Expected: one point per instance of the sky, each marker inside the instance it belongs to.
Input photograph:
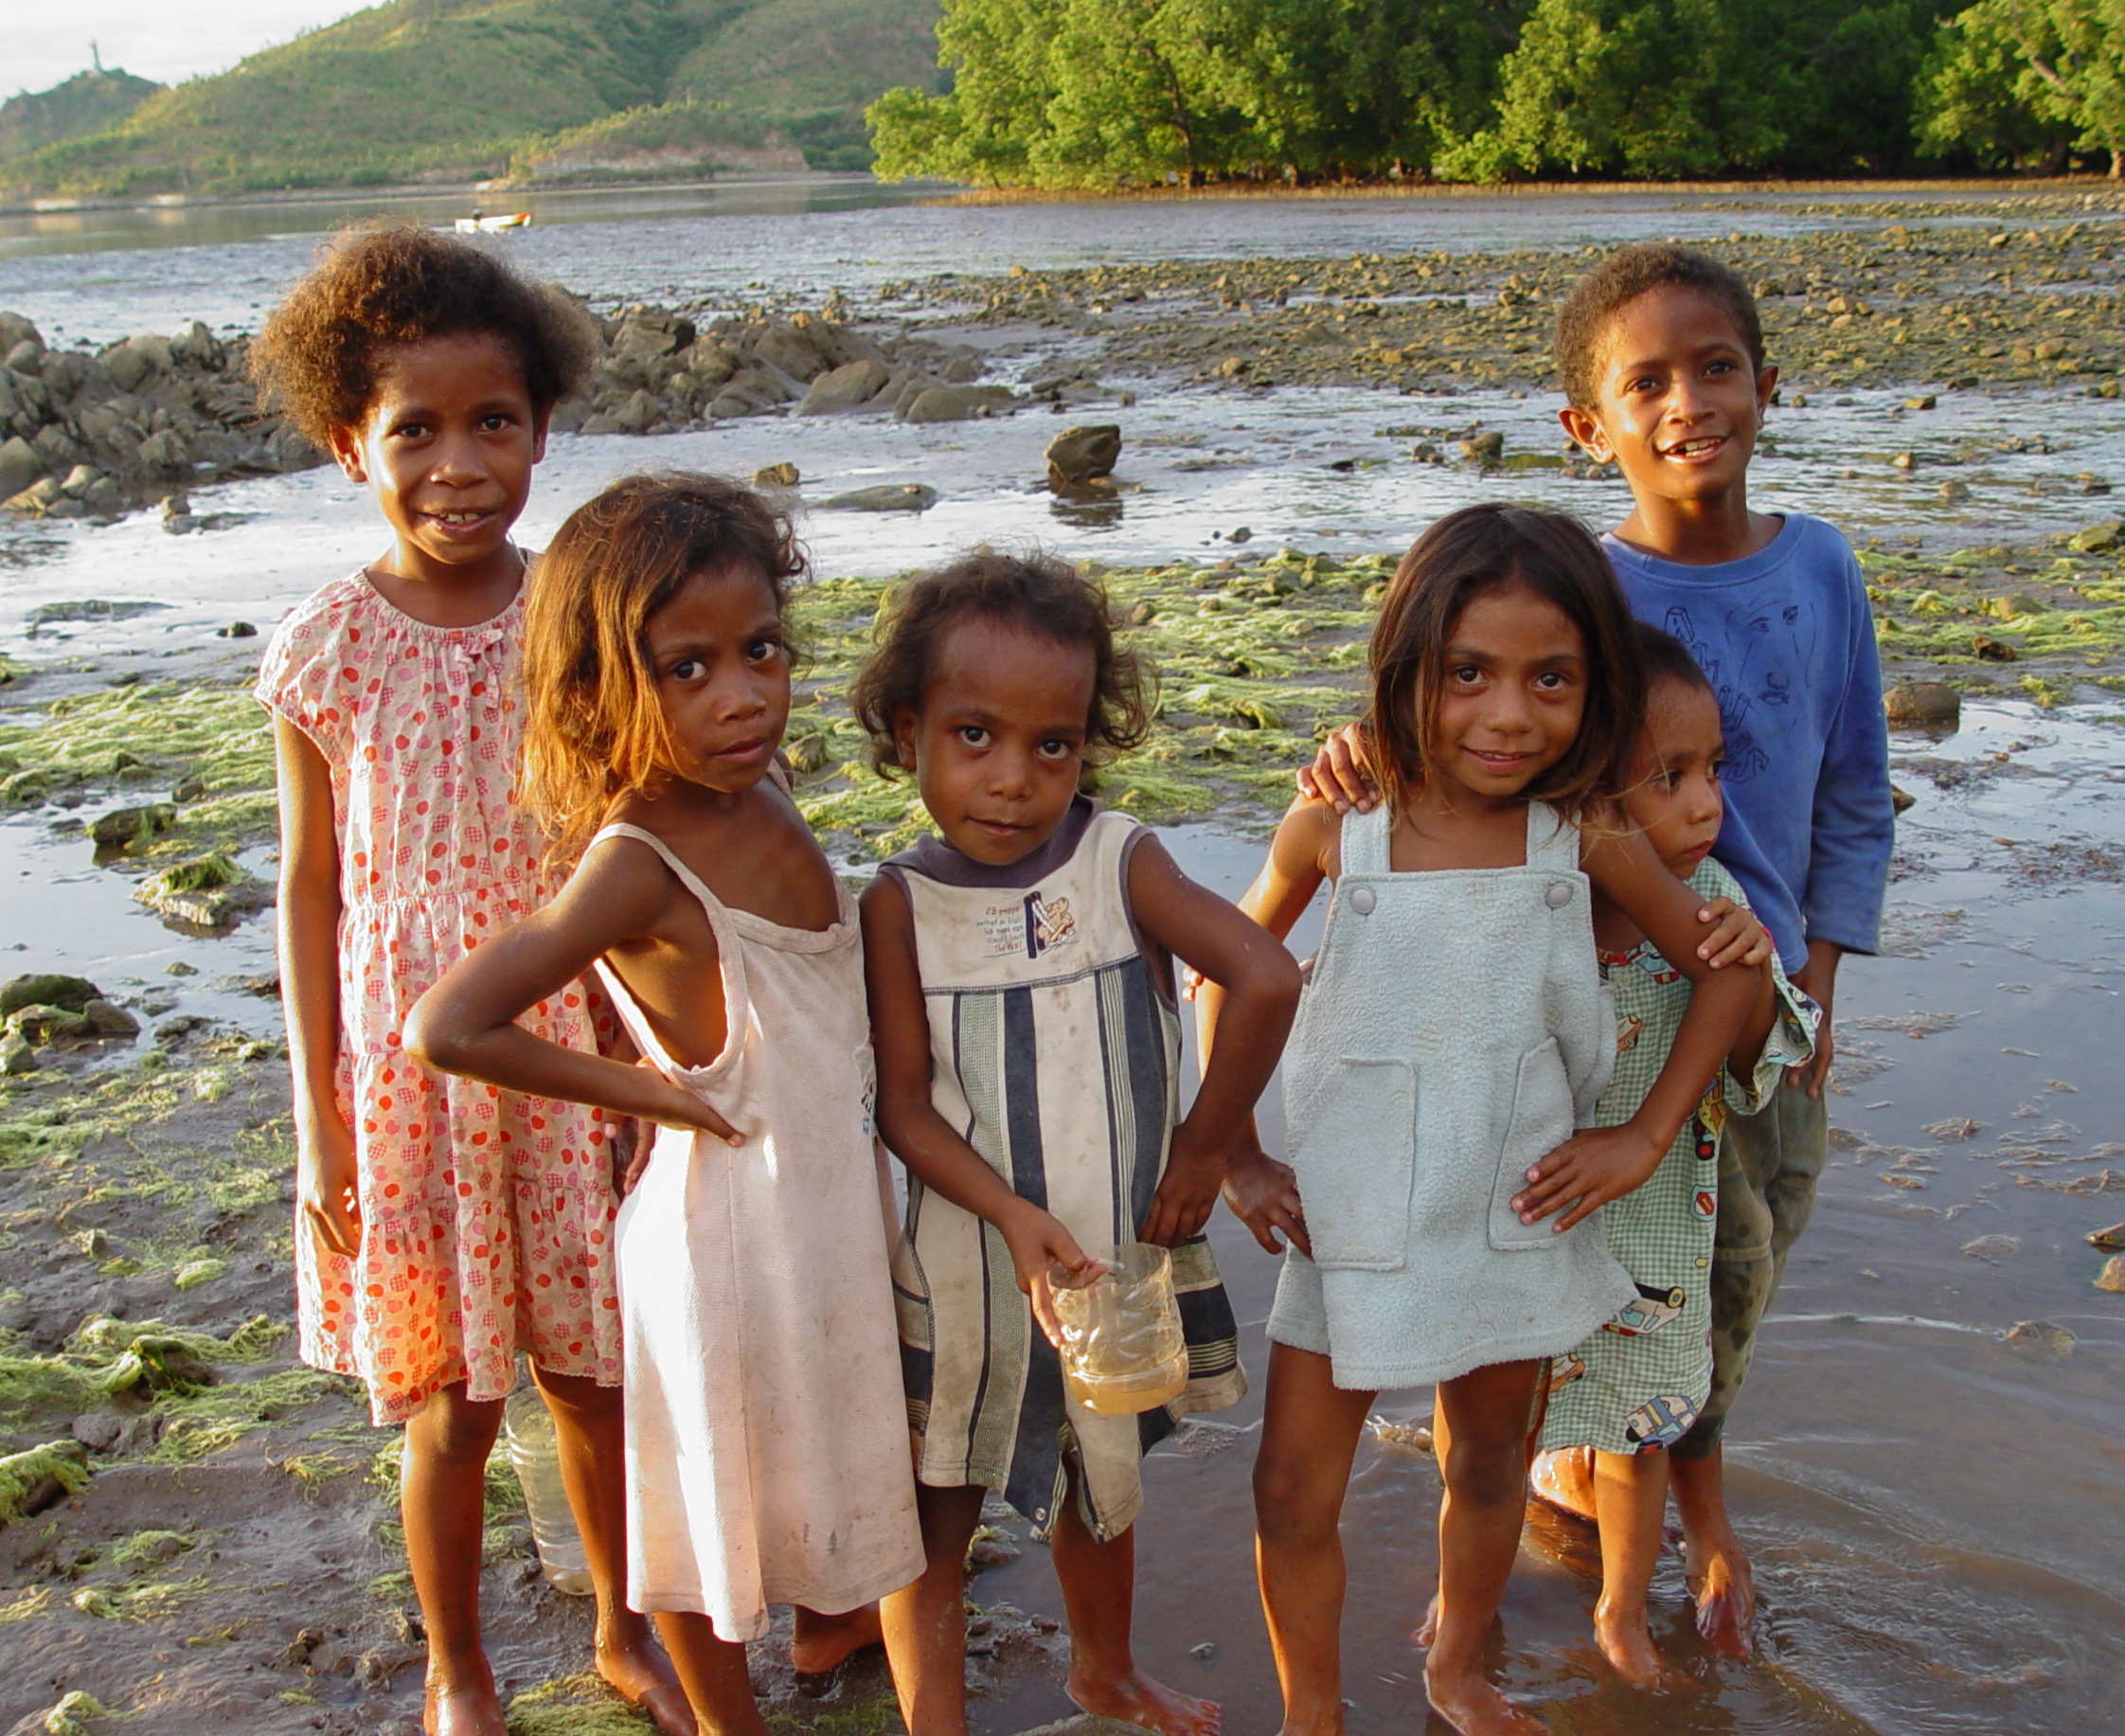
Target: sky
(151, 39)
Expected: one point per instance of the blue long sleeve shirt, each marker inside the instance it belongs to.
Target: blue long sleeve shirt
(1786, 637)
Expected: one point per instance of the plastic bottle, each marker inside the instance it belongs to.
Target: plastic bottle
(535, 1457)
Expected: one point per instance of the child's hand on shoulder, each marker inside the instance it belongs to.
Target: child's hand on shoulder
(1737, 936)
(1594, 1166)
(1046, 1256)
(1341, 774)
(1264, 1195)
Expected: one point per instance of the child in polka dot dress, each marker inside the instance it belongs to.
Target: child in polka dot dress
(444, 1227)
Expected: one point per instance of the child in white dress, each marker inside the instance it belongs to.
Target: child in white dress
(766, 1444)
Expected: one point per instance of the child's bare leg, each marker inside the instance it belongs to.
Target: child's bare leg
(1098, 1595)
(1309, 1437)
(713, 1672)
(925, 1623)
(1629, 1500)
(591, 1434)
(1717, 1567)
(440, 1499)
(1483, 1463)
(818, 1642)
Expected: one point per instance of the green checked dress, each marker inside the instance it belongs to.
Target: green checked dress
(1636, 1384)
(1055, 1046)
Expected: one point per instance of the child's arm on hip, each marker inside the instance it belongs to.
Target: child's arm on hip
(1258, 981)
(1600, 1164)
(923, 1139)
(467, 1022)
(325, 1189)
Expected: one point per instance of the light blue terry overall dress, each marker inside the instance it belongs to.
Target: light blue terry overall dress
(1454, 1029)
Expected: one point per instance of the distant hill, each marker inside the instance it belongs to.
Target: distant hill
(88, 102)
(425, 90)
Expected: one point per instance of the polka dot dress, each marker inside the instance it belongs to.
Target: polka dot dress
(487, 1217)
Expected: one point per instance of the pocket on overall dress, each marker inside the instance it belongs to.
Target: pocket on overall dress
(1353, 1148)
(1541, 1121)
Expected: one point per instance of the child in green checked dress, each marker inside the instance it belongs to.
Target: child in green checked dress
(1635, 1385)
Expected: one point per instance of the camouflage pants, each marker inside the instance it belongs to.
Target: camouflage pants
(1768, 1166)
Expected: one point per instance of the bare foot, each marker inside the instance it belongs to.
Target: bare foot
(1474, 1708)
(1137, 1699)
(1564, 1480)
(468, 1709)
(818, 1642)
(1628, 1646)
(1427, 1629)
(636, 1670)
(1726, 1597)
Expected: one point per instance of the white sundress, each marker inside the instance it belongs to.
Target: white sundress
(767, 1447)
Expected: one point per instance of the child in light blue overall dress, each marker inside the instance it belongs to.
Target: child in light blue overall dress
(1438, 1201)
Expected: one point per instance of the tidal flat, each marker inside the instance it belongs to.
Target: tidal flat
(199, 1533)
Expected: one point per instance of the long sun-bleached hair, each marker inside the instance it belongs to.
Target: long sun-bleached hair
(596, 730)
(1487, 548)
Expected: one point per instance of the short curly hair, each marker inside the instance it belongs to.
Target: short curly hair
(1034, 593)
(1591, 304)
(315, 362)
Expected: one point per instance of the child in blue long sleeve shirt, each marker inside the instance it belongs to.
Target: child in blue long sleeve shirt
(1662, 357)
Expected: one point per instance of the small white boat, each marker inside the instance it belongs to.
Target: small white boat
(476, 225)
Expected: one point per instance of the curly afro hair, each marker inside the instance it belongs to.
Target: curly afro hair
(1584, 315)
(315, 362)
(1037, 595)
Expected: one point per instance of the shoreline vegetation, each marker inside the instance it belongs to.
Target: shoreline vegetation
(1090, 94)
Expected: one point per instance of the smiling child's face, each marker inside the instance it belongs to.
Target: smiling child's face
(722, 670)
(1679, 400)
(1673, 793)
(1510, 697)
(447, 447)
(998, 745)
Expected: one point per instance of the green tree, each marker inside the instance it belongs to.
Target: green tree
(2010, 81)
(1839, 77)
(1631, 87)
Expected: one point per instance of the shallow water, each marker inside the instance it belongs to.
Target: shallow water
(1199, 465)
(106, 274)
(1936, 1513)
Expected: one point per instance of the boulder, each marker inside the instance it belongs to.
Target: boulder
(59, 449)
(193, 346)
(848, 387)
(2098, 538)
(794, 349)
(784, 475)
(24, 358)
(1930, 703)
(41, 1025)
(122, 827)
(711, 361)
(958, 404)
(15, 329)
(131, 363)
(888, 498)
(1487, 448)
(2112, 1278)
(111, 1020)
(168, 455)
(637, 415)
(652, 333)
(47, 988)
(1077, 456)
(19, 467)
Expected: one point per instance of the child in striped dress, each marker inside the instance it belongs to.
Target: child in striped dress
(1021, 979)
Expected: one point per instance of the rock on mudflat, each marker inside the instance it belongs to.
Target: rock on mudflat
(48, 989)
(2113, 1237)
(1923, 701)
(1077, 456)
(886, 497)
(2112, 1277)
(2098, 538)
(2041, 1336)
(784, 475)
